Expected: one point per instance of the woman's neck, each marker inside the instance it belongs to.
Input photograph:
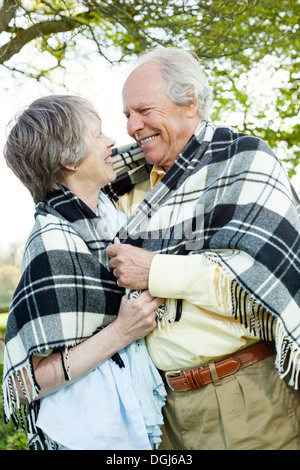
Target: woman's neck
(88, 193)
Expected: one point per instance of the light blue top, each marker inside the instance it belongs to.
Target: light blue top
(111, 408)
(98, 412)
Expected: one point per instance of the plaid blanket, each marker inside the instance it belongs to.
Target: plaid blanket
(64, 296)
(228, 197)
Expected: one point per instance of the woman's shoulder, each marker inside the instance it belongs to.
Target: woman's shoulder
(52, 235)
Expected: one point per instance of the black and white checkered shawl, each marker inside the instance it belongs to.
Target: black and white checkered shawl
(65, 294)
(228, 197)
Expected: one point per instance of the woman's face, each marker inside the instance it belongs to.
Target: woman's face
(97, 168)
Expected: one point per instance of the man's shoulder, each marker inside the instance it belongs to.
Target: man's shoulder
(240, 141)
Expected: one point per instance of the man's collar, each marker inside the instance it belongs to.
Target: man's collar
(157, 173)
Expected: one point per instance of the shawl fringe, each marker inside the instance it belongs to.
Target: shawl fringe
(65, 232)
(284, 347)
(249, 212)
(260, 322)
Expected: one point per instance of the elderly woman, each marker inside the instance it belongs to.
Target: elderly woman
(71, 340)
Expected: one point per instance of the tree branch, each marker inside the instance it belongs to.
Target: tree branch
(23, 36)
(7, 12)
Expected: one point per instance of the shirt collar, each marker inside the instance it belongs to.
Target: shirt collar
(157, 173)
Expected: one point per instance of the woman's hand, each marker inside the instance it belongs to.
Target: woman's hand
(136, 317)
(135, 320)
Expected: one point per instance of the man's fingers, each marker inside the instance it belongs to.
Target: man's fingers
(115, 248)
(112, 250)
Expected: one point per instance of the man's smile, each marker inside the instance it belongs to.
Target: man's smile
(147, 139)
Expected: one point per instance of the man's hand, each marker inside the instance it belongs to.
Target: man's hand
(131, 265)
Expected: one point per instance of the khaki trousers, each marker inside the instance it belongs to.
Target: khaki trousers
(251, 410)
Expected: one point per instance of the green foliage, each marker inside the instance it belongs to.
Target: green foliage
(9, 276)
(15, 440)
(3, 319)
(10, 438)
(231, 37)
(10, 262)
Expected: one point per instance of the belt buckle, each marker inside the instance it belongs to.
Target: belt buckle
(174, 373)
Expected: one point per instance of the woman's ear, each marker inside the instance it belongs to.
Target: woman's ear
(71, 167)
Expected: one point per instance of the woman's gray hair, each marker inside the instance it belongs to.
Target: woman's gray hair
(185, 79)
(49, 134)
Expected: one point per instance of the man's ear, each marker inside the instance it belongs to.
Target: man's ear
(192, 108)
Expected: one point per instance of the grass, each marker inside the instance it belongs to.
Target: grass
(10, 438)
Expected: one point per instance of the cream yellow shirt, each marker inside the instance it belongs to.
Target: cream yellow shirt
(207, 330)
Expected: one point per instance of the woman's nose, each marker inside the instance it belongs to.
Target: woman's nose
(110, 142)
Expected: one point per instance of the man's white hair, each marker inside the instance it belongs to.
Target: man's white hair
(184, 77)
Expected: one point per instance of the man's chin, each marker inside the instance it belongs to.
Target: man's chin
(151, 158)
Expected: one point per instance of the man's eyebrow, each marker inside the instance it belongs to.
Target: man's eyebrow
(138, 107)
(142, 105)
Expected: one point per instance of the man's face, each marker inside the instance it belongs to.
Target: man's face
(160, 127)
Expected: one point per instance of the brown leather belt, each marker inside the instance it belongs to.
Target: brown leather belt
(181, 381)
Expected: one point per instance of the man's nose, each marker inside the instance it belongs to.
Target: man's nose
(134, 123)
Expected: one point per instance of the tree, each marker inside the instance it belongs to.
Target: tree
(12, 254)
(233, 38)
(9, 276)
(10, 264)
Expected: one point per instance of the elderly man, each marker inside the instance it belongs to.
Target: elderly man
(213, 229)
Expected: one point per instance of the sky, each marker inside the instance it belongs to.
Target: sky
(93, 79)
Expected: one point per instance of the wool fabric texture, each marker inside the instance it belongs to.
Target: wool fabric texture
(228, 197)
(65, 294)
